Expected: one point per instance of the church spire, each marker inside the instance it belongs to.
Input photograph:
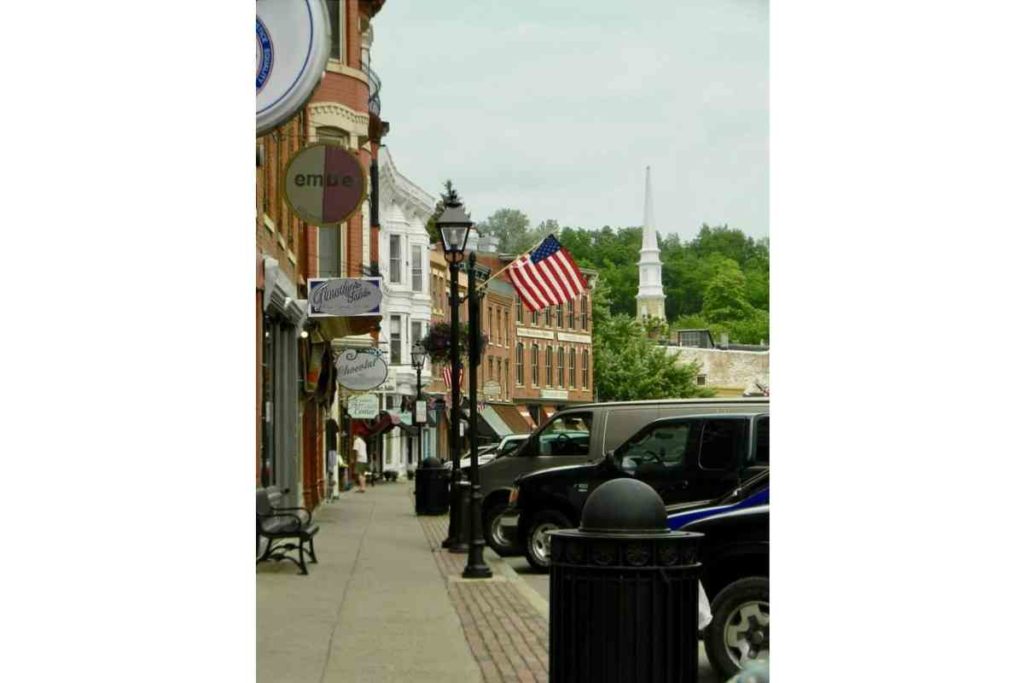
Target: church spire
(650, 299)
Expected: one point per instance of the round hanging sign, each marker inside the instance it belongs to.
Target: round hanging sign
(361, 370)
(324, 184)
(293, 41)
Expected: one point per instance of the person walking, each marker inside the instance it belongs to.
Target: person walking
(362, 462)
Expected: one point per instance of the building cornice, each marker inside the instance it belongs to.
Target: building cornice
(338, 115)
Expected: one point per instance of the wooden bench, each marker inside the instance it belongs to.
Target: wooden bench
(276, 524)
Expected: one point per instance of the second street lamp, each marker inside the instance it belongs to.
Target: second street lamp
(454, 225)
(419, 355)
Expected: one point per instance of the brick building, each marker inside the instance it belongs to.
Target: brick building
(293, 400)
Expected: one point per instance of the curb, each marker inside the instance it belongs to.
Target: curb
(535, 599)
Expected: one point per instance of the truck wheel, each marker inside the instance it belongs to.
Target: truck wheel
(501, 539)
(538, 545)
(738, 632)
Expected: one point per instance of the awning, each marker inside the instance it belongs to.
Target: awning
(524, 413)
(491, 417)
(548, 411)
(511, 416)
(327, 329)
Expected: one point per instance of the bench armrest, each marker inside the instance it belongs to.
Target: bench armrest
(309, 517)
(282, 514)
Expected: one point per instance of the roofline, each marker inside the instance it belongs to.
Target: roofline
(678, 401)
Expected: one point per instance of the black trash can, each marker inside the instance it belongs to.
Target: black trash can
(431, 488)
(623, 592)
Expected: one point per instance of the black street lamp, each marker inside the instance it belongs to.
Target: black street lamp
(454, 225)
(419, 354)
(476, 568)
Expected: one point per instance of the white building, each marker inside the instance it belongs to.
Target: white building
(405, 308)
(650, 297)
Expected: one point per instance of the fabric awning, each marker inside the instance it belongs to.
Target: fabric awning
(524, 413)
(511, 416)
(548, 411)
(491, 417)
(345, 326)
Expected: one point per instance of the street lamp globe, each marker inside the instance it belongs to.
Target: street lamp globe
(454, 225)
(419, 354)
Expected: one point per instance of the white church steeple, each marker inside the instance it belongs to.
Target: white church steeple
(650, 299)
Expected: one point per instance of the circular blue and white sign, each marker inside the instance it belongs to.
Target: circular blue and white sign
(293, 41)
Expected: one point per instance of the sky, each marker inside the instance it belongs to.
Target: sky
(555, 107)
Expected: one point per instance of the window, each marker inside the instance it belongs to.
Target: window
(561, 366)
(547, 316)
(584, 307)
(572, 314)
(417, 332)
(761, 445)
(547, 366)
(535, 359)
(566, 435)
(329, 251)
(535, 317)
(505, 387)
(504, 328)
(722, 444)
(336, 11)
(586, 369)
(490, 368)
(558, 316)
(332, 136)
(656, 447)
(572, 367)
(490, 321)
(396, 340)
(519, 310)
(395, 255)
(417, 268)
(519, 364)
(702, 380)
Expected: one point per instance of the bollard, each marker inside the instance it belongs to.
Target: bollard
(461, 544)
(623, 592)
(431, 488)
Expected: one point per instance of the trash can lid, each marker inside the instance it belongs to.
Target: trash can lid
(431, 463)
(625, 505)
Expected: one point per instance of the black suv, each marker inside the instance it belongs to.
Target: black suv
(685, 459)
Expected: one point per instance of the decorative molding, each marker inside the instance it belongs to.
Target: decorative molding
(336, 67)
(338, 116)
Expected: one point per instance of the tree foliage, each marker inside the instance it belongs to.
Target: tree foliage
(512, 228)
(630, 366)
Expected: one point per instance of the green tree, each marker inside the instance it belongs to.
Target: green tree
(630, 366)
(512, 228)
(725, 297)
(449, 193)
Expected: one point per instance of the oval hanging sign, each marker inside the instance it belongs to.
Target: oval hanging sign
(344, 296)
(324, 184)
(293, 41)
(361, 370)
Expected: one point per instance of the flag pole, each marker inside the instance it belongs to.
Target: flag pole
(509, 264)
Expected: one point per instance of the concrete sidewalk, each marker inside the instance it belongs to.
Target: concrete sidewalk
(375, 608)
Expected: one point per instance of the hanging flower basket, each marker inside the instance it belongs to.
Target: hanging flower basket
(437, 343)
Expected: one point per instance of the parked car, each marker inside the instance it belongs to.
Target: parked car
(734, 573)
(487, 453)
(576, 436)
(690, 461)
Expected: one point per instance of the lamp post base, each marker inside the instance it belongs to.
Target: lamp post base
(477, 571)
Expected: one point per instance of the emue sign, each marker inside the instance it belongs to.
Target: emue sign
(324, 184)
(361, 370)
(344, 296)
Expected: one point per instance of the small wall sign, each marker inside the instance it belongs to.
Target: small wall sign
(361, 369)
(344, 296)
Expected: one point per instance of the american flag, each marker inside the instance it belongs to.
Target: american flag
(547, 276)
(448, 376)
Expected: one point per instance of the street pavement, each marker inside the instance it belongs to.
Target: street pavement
(387, 603)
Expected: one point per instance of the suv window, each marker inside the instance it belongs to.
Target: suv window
(722, 444)
(761, 447)
(662, 444)
(566, 435)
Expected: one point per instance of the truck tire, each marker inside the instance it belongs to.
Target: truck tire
(501, 539)
(738, 631)
(538, 547)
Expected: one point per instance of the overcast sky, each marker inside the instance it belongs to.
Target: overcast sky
(555, 107)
